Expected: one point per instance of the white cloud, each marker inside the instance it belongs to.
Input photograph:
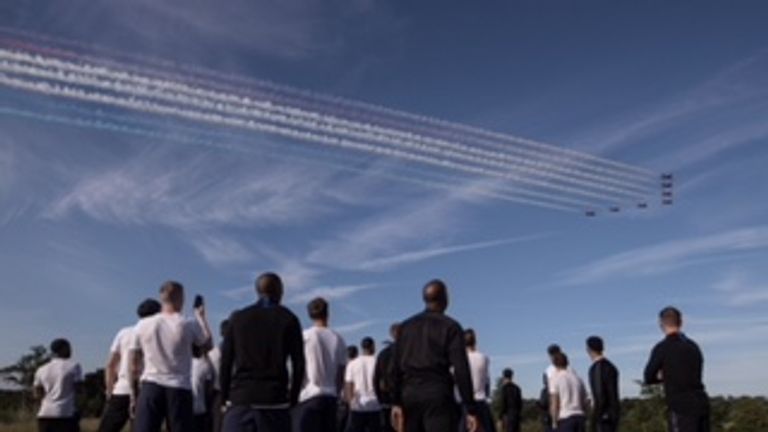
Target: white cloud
(219, 250)
(669, 255)
(740, 290)
(354, 327)
(329, 293)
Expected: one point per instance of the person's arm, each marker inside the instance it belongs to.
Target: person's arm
(341, 354)
(395, 378)
(612, 393)
(110, 372)
(204, 338)
(596, 383)
(554, 408)
(378, 374)
(226, 361)
(654, 367)
(135, 368)
(39, 390)
(518, 401)
(457, 355)
(298, 363)
(505, 393)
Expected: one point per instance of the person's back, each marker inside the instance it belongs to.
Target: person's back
(429, 359)
(56, 382)
(325, 352)
(569, 397)
(166, 340)
(382, 382)
(678, 363)
(511, 403)
(365, 409)
(604, 383)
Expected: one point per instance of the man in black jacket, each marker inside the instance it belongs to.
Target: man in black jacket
(511, 403)
(259, 341)
(381, 383)
(677, 362)
(604, 384)
(429, 346)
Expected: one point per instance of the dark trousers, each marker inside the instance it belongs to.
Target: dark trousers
(386, 419)
(688, 423)
(116, 413)
(157, 403)
(431, 415)
(364, 421)
(247, 419)
(606, 425)
(575, 423)
(317, 414)
(67, 424)
(511, 423)
(484, 417)
(203, 423)
(342, 416)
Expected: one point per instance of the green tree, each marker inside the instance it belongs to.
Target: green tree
(21, 375)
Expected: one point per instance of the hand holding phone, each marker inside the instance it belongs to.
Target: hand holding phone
(199, 302)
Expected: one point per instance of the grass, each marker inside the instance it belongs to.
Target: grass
(87, 425)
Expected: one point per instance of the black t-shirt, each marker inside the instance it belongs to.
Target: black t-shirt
(381, 383)
(511, 400)
(604, 384)
(680, 362)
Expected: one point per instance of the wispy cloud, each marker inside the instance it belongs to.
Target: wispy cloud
(740, 290)
(219, 250)
(410, 257)
(329, 293)
(355, 327)
(668, 255)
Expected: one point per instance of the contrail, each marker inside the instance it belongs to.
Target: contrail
(354, 108)
(237, 105)
(123, 129)
(84, 76)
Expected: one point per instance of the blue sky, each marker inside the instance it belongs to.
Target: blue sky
(93, 221)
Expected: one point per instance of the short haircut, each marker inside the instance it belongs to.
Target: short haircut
(671, 316)
(148, 307)
(439, 293)
(595, 344)
(61, 348)
(553, 349)
(508, 373)
(368, 345)
(352, 352)
(318, 309)
(269, 285)
(470, 338)
(560, 360)
(171, 292)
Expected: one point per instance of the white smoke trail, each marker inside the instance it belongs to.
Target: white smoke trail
(148, 88)
(563, 157)
(355, 129)
(146, 133)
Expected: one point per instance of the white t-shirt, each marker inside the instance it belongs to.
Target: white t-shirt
(325, 353)
(122, 346)
(571, 392)
(550, 372)
(58, 378)
(479, 365)
(215, 357)
(359, 373)
(202, 372)
(166, 341)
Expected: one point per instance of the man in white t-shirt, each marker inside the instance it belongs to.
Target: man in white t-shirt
(359, 391)
(164, 342)
(202, 390)
(117, 374)
(56, 384)
(326, 355)
(479, 367)
(568, 397)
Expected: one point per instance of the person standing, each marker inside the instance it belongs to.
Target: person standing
(56, 385)
(202, 390)
(429, 360)
(215, 357)
(326, 355)
(342, 415)
(254, 379)
(511, 403)
(381, 382)
(569, 401)
(604, 383)
(117, 374)
(479, 367)
(358, 388)
(164, 342)
(678, 363)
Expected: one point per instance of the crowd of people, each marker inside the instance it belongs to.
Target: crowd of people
(269, 375)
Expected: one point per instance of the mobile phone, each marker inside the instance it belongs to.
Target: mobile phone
(198, 301)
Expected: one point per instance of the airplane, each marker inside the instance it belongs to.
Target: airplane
(667, 185)
(642, 205)
(666, 202)
(666, 194)
(590, 213)
(615, 209)
(667, 176)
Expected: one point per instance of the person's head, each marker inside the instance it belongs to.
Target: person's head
(269, 286)
(318, 310)
(507, 374)
(351, 352)
(197, 352)
(470, 339)
(560, 361)
(223, 327)
(553, 349)
(436, 296)
(60, 348)
(595, 346)
(368, 345)
(670, 320)
(148, 307)
(394, 331)
(172, 296)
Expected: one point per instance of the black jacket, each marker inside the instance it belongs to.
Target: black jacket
(429, 346)
(257, 345)
(511, 401)
(680, 362)
(381, 382)
(604, 384)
